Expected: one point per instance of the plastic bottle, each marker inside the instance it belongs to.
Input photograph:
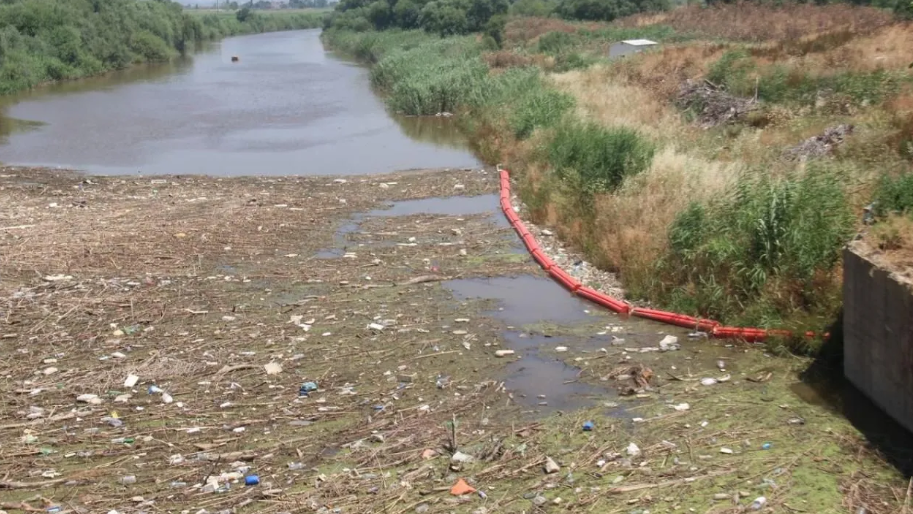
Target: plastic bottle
(251, 480)
(128, 480)
(759, 503)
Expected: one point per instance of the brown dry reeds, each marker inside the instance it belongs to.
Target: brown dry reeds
(520, 31)
(754, 22)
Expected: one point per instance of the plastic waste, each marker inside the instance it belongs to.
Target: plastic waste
(759, 503)
(588, 426)
(307, 388)
(251, 480)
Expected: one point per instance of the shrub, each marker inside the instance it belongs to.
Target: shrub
(607, 10)
(595, 159)
(767, 237)
(894, 195)
(556, 42)
(541, 108)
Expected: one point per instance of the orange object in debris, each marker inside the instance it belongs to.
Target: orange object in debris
(461, 487)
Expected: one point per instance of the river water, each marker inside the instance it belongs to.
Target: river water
(286, 108)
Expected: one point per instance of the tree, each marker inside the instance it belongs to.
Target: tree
(244, 14)
(445, 17)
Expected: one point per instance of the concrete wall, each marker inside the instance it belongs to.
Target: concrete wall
(878, 335)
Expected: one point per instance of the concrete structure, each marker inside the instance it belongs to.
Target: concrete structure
(878, 332)
(630, 46)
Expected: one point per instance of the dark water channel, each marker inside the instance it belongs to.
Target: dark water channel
(287, 108)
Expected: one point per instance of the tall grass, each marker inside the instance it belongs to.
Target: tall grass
(787, 82)
(762, 251)
(894, 195)
(426, 75)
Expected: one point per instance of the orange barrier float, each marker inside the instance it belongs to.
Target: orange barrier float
(564, 279)
(543, 260)
(603, 299)
(705, 325)
(679, 320)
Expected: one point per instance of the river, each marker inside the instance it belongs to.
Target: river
(288, 107)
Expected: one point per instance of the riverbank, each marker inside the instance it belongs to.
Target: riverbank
(163, 328)
(728, 196)
(59, 40)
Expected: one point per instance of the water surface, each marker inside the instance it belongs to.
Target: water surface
(288, 107)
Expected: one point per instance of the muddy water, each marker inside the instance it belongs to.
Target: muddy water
(288, 107)
(447, 206)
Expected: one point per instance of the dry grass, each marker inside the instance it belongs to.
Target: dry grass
(747, 21)
(520, 31)
(603, 98)
(663, 71)
(633, 222)
(507, 59)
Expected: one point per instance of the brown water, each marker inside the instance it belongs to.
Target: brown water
(288, 107)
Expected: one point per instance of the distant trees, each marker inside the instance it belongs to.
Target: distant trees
(443, 17)
(607, 10)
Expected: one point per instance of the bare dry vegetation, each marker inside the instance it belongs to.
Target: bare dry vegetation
(799, 71)
(523, 30)
(755, 22)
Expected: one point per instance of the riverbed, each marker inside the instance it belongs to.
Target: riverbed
(287, 107)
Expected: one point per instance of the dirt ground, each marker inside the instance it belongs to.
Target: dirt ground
(156, 334)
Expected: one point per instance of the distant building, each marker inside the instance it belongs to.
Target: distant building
(629, 47)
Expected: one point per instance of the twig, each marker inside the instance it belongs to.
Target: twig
(10, 484)
(667, 483)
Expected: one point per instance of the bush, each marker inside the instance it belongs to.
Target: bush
(533, 8)
(770, 241)
(556, 42)
(607, 10)
(894, 195)
(596, 159)
(542, 108)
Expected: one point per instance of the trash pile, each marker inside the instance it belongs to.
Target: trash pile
(822, 144)
(712, 104)
(171, 346)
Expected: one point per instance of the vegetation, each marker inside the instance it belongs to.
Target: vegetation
(442, 17)
(607, 10)
(721, 222)
(894, 195)
(48, 40)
